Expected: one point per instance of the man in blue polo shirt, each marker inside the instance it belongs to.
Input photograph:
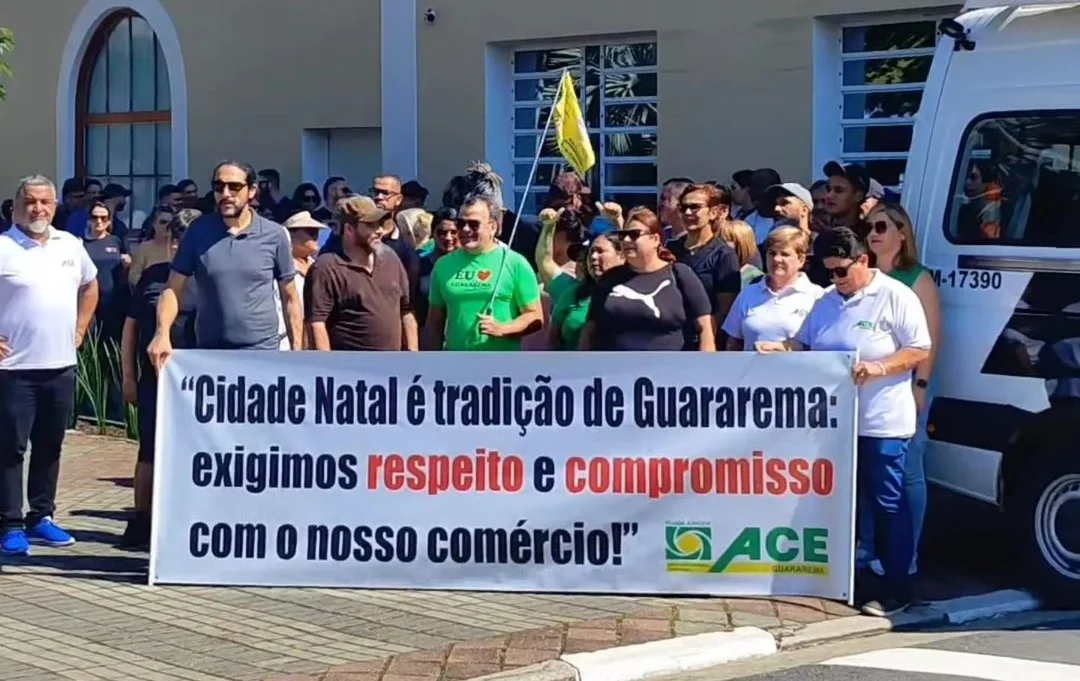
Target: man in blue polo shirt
(236, 258)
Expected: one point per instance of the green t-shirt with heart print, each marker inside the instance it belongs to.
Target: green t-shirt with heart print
(462, 283)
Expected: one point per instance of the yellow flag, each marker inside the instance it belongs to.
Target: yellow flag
(570, 132)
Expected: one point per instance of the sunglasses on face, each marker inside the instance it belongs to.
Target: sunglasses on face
(234, 187)
(472, 225)
(375, 191)
(691, 207)
(99, 218)
(880, 227)
(630, 234)
(840, 272)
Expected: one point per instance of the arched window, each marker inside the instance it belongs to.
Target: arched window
(123, 121)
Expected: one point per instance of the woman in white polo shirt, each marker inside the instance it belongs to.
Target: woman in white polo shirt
(882, 319)
(774, 308)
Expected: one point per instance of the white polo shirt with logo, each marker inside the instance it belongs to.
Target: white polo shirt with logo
(39, 293)
(761, 314)
(877, 321)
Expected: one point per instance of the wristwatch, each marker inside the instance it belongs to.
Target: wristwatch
(922, 383)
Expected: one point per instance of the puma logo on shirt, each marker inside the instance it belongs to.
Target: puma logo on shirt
(623, 291)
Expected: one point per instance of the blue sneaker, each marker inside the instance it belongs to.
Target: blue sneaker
(48, 532)
(15, 543)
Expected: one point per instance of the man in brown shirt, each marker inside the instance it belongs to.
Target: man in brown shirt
(356, 297)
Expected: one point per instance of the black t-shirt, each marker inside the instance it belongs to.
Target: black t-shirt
(648, 311)
(143, 309)
(106, 254)
(525, 238)
(815, 265)
(716, 264)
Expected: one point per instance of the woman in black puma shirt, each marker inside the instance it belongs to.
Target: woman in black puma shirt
(651, 302)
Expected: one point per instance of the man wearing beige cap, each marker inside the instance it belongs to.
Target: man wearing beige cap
(357, 297)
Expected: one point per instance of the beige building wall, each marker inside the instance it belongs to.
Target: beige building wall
(257, 74)
(736, 77)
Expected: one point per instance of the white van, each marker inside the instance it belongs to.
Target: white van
(993, 184)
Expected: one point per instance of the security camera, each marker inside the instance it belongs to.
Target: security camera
(429, 16)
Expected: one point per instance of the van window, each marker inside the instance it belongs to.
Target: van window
(1017, 181)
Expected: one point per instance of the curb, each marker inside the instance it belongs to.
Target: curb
(954, 611)
(702, 651)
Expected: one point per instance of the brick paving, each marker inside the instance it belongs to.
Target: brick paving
(84, 613)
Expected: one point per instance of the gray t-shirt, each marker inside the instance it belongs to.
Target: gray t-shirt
(235, 277)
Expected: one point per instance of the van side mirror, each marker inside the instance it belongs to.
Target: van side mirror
(955, 30)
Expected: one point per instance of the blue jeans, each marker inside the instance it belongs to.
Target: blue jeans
(915, 485)
(884, 508)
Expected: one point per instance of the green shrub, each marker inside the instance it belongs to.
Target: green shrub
(97, 383)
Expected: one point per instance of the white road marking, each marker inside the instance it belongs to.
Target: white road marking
(969, 665)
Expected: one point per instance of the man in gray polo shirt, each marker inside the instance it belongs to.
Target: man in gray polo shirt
(236, 258)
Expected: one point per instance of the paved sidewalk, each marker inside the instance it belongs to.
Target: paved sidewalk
(85, 613)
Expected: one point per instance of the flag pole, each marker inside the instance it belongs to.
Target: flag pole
(536, 158)
(528, 186)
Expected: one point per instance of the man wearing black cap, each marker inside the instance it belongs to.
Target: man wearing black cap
(761, 222)
(848, 188)
(73, 198)
(413, 195)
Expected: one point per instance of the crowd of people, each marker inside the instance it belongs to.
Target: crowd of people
(757, 264)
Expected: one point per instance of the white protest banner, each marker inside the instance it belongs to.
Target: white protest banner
(682, 473)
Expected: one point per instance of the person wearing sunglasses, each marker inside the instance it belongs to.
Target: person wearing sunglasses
(110, 257)
(703, 209)
(237, 259)
(651, 302)
(139, 380)
(484, 296)
(892, 241)
(158, 245)
(868, 312)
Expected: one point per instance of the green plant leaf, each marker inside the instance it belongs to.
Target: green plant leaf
(7, 44)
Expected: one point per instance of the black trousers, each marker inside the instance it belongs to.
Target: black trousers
(36, 406)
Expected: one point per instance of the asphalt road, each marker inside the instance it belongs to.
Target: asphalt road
(1029, 647)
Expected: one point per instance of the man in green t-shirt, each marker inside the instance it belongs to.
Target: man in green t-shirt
(466, 312)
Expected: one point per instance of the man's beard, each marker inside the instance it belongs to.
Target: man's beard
(38, 226)
(229, 209)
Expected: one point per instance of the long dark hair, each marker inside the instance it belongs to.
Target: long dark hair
(588, 286)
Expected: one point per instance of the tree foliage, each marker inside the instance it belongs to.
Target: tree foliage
(7, 44)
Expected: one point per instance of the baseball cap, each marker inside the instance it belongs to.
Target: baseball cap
(789, 189)
(115, 191)
(360, 209)
(742, 177)
(852, 172)
(73, 185)
(414, 190)
(601, 225)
